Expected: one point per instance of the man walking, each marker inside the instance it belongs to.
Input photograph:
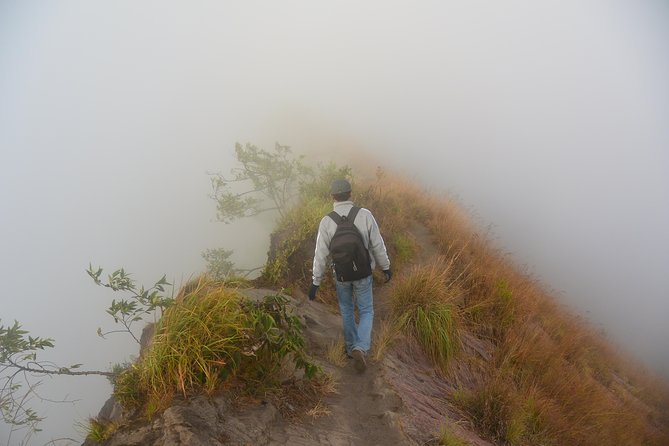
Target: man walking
(351, 236)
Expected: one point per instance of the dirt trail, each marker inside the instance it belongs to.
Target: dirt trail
(367, 410)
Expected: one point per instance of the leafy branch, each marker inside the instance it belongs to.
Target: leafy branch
(19, 365)
(142, 301)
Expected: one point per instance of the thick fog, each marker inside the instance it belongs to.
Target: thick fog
(548, 120)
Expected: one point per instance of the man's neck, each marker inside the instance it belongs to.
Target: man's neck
(342, 203)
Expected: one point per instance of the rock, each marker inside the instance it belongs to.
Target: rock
(146, 338)
(111, 411)
(201, 421)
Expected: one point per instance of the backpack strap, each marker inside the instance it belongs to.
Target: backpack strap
(353, 213)
(338, 218)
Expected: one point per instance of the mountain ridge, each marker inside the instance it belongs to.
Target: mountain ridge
(514, 368)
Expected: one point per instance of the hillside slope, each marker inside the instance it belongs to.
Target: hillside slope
(467, 350)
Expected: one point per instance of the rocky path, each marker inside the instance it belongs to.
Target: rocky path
(364, 411)
(367, 410)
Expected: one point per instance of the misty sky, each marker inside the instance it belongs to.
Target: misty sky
(548, 120)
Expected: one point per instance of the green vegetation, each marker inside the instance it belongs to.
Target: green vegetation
(210, 337)
(423, 307)
(19, 364)
(219, 265)
(293, 241)
(404, 248)
(195, 341)
(99, 430)
(265, 181)
(142, 302)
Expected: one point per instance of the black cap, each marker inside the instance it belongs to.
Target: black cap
(340, 186)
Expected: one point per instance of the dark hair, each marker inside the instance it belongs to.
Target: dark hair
(344, 196)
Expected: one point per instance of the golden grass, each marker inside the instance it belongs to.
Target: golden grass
(448, 437)
(319, 410)
(327, 383)
(552, 379)
(384, 336)
(99, 430)
(197, 343)
(423, 306)
(336, 352)
(212, 336)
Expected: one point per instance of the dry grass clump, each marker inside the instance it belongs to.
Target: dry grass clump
(319, 410)
(384, 336)
(336, 352)
(98, 429)
(423, 307)
(504, 413)
(301, 397)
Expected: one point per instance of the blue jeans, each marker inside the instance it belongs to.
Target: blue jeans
(357, 336)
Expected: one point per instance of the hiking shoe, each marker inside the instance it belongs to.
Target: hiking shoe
(359, 358)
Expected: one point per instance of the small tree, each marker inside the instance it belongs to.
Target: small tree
(266, 181)
(219, 265)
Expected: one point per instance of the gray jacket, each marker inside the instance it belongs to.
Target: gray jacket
(371, 236)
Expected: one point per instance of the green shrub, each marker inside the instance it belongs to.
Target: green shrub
(209, 336)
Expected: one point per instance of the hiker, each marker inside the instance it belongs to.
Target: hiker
(350, 235)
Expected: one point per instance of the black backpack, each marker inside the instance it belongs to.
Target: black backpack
(347, 248)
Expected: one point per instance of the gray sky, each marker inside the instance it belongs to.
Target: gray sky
(547, 119)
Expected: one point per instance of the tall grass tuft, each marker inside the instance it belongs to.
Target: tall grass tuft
(336, 352)
(423, 306)
(384, 336)
(197, 344)
(212, 334)
(424, 285)
(98, 430)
